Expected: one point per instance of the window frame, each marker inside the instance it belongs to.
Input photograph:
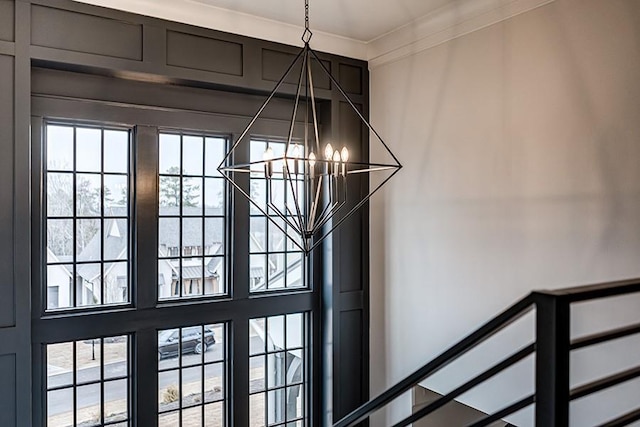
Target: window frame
(146, 314)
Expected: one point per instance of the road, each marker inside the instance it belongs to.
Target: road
(58, 403)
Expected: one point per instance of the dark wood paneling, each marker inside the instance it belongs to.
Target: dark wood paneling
(350, 375)
(204, 53)
(7, 289)
(8, 390)
(79, 32)
(275, 63)
(6, 20)
(350, 78)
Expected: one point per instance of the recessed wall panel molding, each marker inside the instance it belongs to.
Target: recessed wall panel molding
(275, 63)
(7, 20)
(351, 78)
(8, 390)
(204, 53)
(7, 308)
(79, 32)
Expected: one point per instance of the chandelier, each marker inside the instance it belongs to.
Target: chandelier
(313, 175)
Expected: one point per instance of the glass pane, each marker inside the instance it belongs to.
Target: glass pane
(60, 240)
(276, 369)
(88, 150)
(257, 330)
(192, 284)
(116, 282)
(214, 196)
(88, 407)
(216, 336)
(169, 154)
(275, 328)
(258, 196)
(192, 196)
(116, 195)
(59, 286)
(192, 346)
(191, 236)
(168, 237)
(169, 395)
(275, 196)
(215, 152)
(88, 198)
(88, 360)
(116, 151)
(191, 386)
(59, 364)
(115, 357)
(214, 281)
(214, 415)
(295, 270)
(256, 410)
(115, 239)
(214, 382)
(295, 403)
(88, 239)
(214, 237)
(168, 278)
(88, 284)
(295, 369)
(115, 401)
(59, 147)
(169, 420)
(276, 236)
(60, 408)
(256, 374)
(276, 405)
(192, 155)
(192, 417)
(294, 330)
(257, 272)
(277, 277)
(257, 234)
(169, 195)
(59, 194)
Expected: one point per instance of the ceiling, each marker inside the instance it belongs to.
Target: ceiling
(362, 20)
(378, 31)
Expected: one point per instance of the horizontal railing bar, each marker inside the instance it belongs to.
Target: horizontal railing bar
(604, 383)
(440, 402)
(601, 290)
(515, 407)
(623, 420)
(483, 333)
(605, 336)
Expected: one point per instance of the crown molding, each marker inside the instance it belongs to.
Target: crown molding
(447, 23)
(230, 21)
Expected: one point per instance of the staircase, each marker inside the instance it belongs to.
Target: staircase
(552, 347)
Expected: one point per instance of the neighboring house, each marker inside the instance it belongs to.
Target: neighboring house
(59, 283)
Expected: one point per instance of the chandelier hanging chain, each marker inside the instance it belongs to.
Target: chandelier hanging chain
(306, 36)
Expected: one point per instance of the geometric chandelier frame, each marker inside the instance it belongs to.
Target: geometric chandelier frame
(307, 183)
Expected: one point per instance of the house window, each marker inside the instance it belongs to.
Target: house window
(87, 205)
(192, 216)
(192, 376)
(276, 259)
(277, 378)
(88, 382)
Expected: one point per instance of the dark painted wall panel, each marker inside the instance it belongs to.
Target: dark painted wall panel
(6, 20)
(275, 63)
(8, 390)
(80, 32)
(7, 309)
(350, 380)
(204, 53)
(350, 78)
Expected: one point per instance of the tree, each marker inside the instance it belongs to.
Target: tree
(170, 190)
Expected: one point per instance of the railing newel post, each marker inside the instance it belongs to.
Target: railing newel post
(553, 340)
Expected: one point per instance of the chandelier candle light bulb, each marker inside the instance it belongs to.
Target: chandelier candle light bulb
(336, 161)
(344, 156)
(267, 156)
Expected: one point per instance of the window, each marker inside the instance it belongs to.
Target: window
(192, 376)
(88, 382)
(277, 370)
(87, 226)
(276, 260)
(191, 236)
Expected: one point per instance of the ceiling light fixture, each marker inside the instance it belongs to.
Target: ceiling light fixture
(307, 195)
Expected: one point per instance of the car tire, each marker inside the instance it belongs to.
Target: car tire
(198, 348)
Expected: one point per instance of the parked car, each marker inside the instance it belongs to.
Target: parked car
(192, 342)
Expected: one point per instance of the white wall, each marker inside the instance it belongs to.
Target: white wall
(521, 147)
